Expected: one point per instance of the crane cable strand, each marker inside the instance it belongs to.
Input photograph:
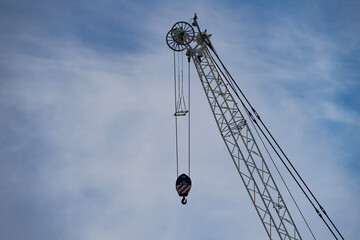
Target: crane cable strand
(189, 114)
(258, 117)
(181, 82)
(321, 208)
(176, 125)
(179, 99)
(250, 115)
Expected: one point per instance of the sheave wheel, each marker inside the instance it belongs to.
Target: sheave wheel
(180, 35)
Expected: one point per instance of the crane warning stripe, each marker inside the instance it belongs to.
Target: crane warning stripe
(183, 188)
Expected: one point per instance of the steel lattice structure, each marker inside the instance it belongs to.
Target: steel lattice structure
(239, 140)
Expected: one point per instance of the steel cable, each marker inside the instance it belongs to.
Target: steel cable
(263, 133)
(276, 143)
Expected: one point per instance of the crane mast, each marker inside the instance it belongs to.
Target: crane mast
(236, 133)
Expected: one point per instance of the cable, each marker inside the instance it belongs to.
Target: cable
(180, 105)
(282, 179)
(321, 208)
(176, 132)
(189, 113)
(257, 115)
(181, 82)
(254, 120)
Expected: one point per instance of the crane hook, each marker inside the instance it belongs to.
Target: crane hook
(184, 200)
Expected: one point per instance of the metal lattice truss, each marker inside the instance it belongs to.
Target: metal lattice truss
(244, 151)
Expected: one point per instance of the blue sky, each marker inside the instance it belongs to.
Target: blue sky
(86, 116)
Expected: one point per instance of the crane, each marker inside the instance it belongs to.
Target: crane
(222, 96)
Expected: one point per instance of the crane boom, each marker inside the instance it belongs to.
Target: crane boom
(245, 152)
(236, 133)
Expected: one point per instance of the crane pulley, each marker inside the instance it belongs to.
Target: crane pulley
(223, 95)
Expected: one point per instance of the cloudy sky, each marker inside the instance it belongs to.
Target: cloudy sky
(87, 147)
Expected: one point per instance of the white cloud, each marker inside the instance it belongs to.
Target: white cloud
(107, 163)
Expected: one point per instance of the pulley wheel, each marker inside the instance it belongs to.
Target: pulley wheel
(180, 35)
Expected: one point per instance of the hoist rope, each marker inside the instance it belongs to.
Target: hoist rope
(268, 140)
(176, 132)
(180, 105)
(189, 114)
(181, 82)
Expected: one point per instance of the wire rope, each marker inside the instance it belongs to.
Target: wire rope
(176, 131)
(282, 179)
(181, 108)
(258, 117)
(189, 136)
